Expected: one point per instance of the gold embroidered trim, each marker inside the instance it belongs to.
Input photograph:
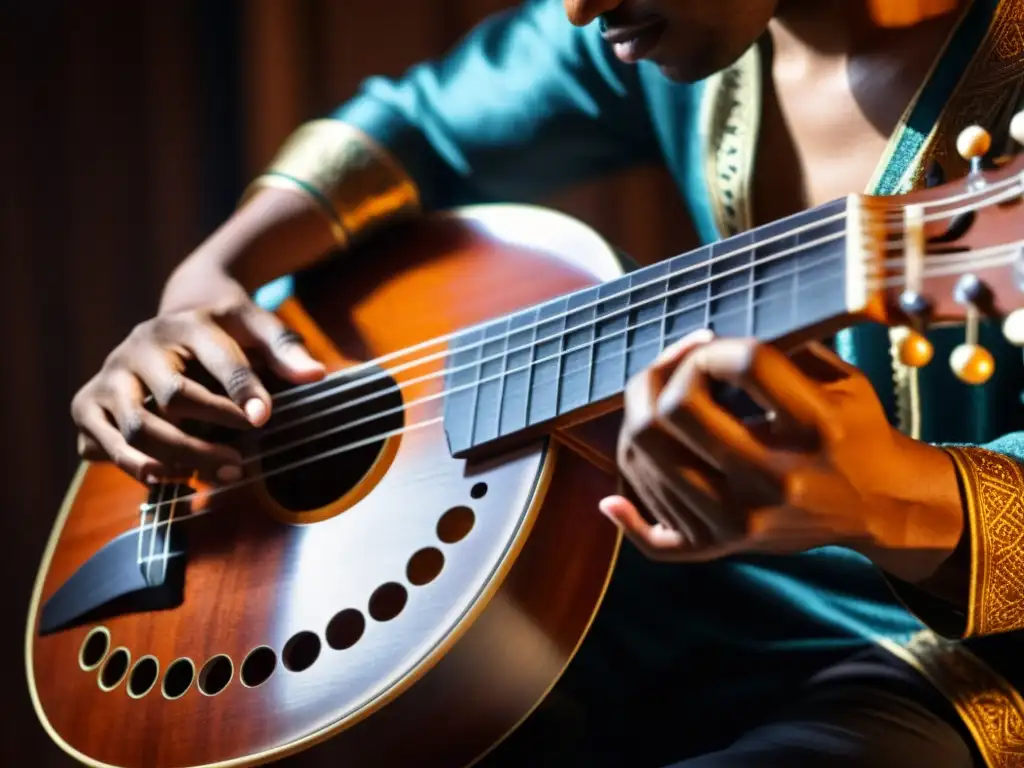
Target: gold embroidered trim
(995, 511)
(990, 708)
(357, 183)
(729, 123)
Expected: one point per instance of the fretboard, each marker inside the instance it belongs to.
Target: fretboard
(532, 369)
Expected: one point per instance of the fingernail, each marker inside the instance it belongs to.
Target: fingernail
(256, 411)
(297, 357)
(700, 336)
(229, 474)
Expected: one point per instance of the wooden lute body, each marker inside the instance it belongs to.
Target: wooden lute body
(370, 596)
(467, 655)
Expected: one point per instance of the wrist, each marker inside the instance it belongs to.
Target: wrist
(919, 518)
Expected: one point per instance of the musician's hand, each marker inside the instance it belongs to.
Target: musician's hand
(826, 468)
(213, 322)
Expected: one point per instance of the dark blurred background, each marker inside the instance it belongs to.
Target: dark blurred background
(129, 130)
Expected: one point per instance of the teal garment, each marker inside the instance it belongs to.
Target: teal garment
(683, 655)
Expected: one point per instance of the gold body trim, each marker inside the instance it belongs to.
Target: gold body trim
(543, 480)
(355, 181)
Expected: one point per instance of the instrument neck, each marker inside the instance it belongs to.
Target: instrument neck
(567, 359)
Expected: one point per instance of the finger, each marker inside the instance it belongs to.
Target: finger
(688, 498)
(770, 378)
(172, 446)
(674, 353)
(180, 397)
(641, 392)
(687, 412)
(821, 364)
(224, 359)
(650, 493)
(114, 448)
(282, 347)
(656, 542)
(163, 442)
(89, 449)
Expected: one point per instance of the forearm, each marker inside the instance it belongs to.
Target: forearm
(329, 187)
(915, 540)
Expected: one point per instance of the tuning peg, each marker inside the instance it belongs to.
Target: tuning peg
(973, 143)
(1013, 327)
(914, 350)
(971, 362)
(1017, 128)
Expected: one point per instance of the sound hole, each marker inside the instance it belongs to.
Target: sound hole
(345, 629)
(301, 651)
(258, 666)
(387, 601)
(94, 648)
(143, 677)
(334, 432)
(455, 524)
(424, 566)
(215, 675)
(114, 670)
(178, 678)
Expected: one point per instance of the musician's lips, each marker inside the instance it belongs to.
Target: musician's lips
(633, 42)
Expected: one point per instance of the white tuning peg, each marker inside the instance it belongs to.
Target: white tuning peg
(1017, 128)
(974, 142)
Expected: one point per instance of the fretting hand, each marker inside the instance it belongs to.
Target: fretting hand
(825, 468)
(215, 328)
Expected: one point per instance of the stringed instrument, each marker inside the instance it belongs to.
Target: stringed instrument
(414, 555)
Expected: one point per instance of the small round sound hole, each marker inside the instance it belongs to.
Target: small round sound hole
(387, 601)
(424, 566)
(345, 629)
(178, 678)
(455, 524)
(94, 649)
(301, 651)
(478, 491)
(143, 677)
(114, 669)
(215, 675)
(336, 428)
(258, 666)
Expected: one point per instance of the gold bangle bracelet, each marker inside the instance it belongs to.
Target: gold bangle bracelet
(280, 181)
(354, 181)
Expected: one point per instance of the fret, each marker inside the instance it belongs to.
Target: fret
(461, 383)
(546, 362)
(515, 396)
(577, 349)
(490, 372)
(688, 306)
(533, 366)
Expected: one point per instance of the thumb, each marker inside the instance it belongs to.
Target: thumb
(282, 347)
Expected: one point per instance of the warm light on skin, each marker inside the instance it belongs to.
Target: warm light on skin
(905, 13)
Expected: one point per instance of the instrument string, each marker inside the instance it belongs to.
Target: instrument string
(422, 360)
(528, 366)
(993, 257)
(757, 261)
